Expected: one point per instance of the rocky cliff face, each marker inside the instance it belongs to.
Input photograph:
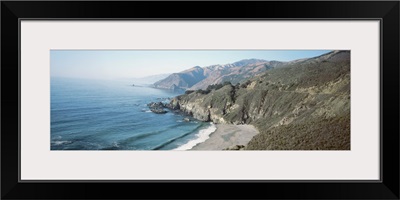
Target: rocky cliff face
(206, 107)
(301, 105)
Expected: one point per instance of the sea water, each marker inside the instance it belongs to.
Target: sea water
(113, 115)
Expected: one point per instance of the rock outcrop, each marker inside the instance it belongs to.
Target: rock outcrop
(236, 147)
(157, 107)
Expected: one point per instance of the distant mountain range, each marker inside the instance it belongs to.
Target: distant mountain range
(201, 77)
(148, 79)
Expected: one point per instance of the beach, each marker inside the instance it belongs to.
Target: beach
(227, 135)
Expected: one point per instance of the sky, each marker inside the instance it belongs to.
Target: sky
(121, 64)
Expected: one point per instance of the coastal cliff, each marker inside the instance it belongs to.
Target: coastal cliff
(303, 104)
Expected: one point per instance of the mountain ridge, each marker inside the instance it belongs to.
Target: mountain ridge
(200, 77)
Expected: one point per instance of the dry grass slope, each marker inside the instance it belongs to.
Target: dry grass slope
(316, 134)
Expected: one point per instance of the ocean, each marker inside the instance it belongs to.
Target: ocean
(113, 115)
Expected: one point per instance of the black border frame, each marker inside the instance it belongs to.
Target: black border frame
(386, 11)
(208, 180)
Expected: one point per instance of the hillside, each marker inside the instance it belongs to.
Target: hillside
(182, 80)
(239, 72)
(200, 77)
(304, 104)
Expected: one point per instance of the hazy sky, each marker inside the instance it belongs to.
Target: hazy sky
(101, 64)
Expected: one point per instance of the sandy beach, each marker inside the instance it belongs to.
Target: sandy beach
(226, 136)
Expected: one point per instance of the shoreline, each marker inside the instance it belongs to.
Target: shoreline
(226, 136)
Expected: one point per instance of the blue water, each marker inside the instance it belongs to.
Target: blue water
(113, 115)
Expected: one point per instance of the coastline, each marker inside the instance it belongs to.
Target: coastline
(226, 136)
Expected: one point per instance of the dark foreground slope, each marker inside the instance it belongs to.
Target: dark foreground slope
(303, 105)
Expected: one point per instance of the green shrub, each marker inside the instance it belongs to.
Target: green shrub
(189, 91)
(203, 91)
